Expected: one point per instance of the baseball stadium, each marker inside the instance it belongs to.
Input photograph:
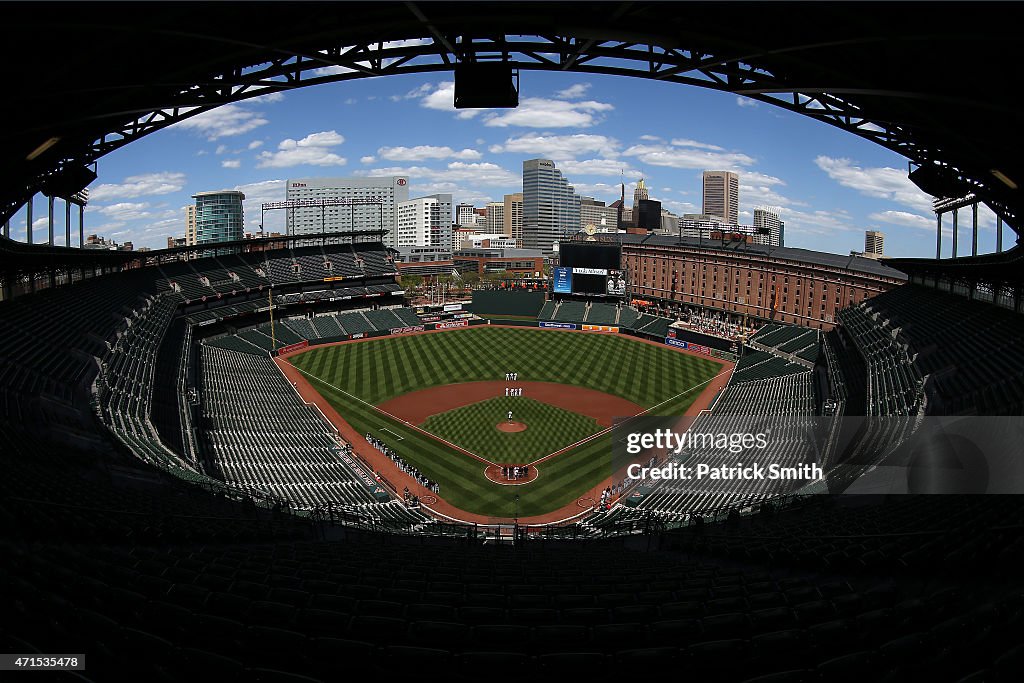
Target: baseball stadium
(270, 461)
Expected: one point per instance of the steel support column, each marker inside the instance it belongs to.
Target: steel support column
(974, 229)
(81, 226)
(956, 230)
(999, 234)
(938, 236)
(67, 222)
(49, 220)
(28, 221)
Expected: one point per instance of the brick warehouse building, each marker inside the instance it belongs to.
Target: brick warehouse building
(805, 287)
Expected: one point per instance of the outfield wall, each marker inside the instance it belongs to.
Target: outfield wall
(396, 331)
(510, 302)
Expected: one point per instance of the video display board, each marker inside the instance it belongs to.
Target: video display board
(563, 280)
(590, 269)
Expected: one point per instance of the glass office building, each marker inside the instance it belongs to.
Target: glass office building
(551, 207)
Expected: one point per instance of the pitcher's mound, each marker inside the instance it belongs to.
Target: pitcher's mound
(511, 426)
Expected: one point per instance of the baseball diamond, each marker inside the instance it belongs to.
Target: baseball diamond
(548, 429)
(449, 446)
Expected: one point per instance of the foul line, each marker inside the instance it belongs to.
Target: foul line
(482, 459)
(393, 417)
(646, 410)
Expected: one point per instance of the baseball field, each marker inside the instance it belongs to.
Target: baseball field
(439, 400)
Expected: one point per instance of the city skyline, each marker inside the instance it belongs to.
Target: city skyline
(830, 187)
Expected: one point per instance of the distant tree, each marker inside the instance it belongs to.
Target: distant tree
(411, 282)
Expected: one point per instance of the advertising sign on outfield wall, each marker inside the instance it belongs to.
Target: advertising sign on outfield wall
(699, 348)
(293, 347)
(357, 335)
(561, 326)
(450, 324)
(452, 307)
(600, 328)
(407, 330)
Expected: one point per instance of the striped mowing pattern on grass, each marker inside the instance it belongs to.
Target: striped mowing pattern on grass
(378, 370)
(548, 429)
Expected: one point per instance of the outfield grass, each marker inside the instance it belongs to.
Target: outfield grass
(380, 369)
(548, 429)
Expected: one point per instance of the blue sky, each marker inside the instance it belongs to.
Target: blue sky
(829, 186)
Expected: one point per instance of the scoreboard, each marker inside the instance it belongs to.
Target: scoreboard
(591, 269)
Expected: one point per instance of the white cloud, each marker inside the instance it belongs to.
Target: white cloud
(557, 147)
(764, 195)
(677, 207)
(604, 191)
(268, 98)
(224, 121)
(350, 100)
(904, 218)
(221, 149)
(231, 163)
(745, 101)
(367, 159)
(441, 97)
(139, 186)
(258, 193)
(538, 112)
(756, 178)
(818, 222)
(255, 144)
(423, 152)
(263, 191)
(609, 167)
(883, 183)
(480, 173)
(331, 70)
(41, 222)
(651, 138)
(688, 157)
(312, 150)
(124, 211)
(682, 142)
(573, 91)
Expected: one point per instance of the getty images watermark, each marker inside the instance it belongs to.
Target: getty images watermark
(674, 443)
(872, 455)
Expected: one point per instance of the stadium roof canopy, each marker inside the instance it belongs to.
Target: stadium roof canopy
(936, 82)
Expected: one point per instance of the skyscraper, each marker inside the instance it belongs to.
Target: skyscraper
(551, 207)
(425, 222)
(594, 212)
(365, 213)
(513, 216)
(495, 217)
(874, 243)
(647, 215)
(768, 218)
(218, 216)
(722, 195)
(639, 194)
(190, 225)
(464, 215)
